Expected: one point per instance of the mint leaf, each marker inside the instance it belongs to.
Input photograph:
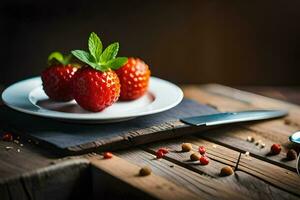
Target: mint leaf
(109, 53)
(95, 46)
(55, 57)
(116, 63)
(86, 58)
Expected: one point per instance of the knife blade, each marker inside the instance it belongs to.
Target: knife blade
(233, 117)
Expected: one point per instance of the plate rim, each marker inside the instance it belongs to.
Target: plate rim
(86, 115)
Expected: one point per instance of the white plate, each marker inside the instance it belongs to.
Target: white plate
(28, 96)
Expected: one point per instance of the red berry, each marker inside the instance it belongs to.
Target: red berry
(95, 90)
(275, 149)
(204, 160)
(107, 155)
(7, 137)
(57, 82)
(164, 150)
(134, 78)
(159, 154)
(202, 150)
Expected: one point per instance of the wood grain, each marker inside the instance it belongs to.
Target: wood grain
(65, 180)
(269, 132)
(221, 156)
(27, 175)
(238, 186)
(152, 185)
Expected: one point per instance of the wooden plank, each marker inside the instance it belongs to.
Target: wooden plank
(278, 176)
(29, 157)
(221, 156)
(203, 185)
(66, 180)
(241, 185)
(153, 185)
(269, 132)
(236, 138)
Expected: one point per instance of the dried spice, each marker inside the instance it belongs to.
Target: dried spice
(145, 171)
(204, 160)
(291, 154)
(250, 139)
(107, 155)
(226, 171)
(164, 150)
(275, 149)
(258, 142)
(186, 147)
(195, 156)
(159, 154)
(202, 150)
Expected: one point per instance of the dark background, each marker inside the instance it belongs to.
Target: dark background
(228, 42)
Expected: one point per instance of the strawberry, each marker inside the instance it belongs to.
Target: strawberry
(96, 86)
(134, 78)
(57, 78)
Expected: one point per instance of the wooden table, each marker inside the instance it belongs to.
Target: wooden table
(28, 171)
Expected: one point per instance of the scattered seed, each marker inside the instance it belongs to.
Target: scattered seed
(16, 141)
(202, 150)
(275, 149)
(107, 155)
(291, 154)
(186, 147)
(204, 160)
(21, 145)
(214, 146)
(8, 148)
(195, 156)
(18, 150)
(8, 137)
(287, 121)
(247, 153)
(250, 139)
(171, 166)
(262, 145)
(145, 171)
(226, 171)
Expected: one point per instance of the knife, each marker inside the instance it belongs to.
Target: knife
(233, 117)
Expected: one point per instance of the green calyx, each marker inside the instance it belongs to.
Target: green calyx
(58, 58)
(98, 59)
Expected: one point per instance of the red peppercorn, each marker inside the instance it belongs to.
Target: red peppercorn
(7, 137)
(202, 150)
(107, 155)
(204, 160)
(164, 150)
(159, 154)
(275, 149)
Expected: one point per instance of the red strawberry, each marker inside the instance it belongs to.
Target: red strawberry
(97, 86)
(57, 78)
(134, 78)
(95, 90)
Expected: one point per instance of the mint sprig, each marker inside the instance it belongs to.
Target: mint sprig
(58, 58)
(97, 59)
